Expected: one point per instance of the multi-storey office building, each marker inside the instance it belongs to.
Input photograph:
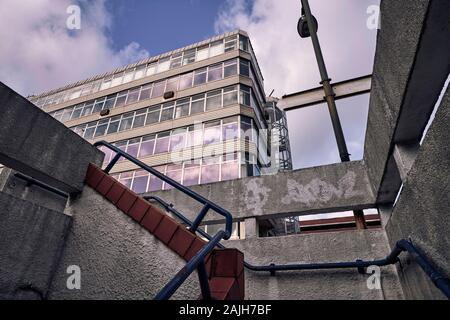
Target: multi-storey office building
(196, 114)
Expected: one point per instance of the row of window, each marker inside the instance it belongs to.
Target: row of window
(163, 64)
(211, 100)
(181, 138)
(154, 90)
(192, 172)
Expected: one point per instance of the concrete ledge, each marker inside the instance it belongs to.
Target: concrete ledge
(34, 143)
(337, 187)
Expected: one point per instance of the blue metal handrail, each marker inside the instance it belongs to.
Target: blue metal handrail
(198, 261)
(403, 245)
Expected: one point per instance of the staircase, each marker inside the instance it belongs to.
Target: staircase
(224, 267)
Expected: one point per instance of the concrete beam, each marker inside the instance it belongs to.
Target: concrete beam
(34, 143)
(331, 188)
(404, 155)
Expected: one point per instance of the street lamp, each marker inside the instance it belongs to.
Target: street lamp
(307, 27)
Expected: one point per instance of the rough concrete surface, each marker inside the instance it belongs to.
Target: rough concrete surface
(36, 144)
(118, 258)
(336, 187)
(317, 284)
(422, 211)
(31, 241)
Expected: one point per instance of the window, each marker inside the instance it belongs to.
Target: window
(177, 140)
(174, 171)
(230, 68)
(110, 100)
(98, 106)
(133, 147)
(90, 129)
(245, 95)
(243, 43)
(106, 83)
(175, 61)
(246, 127)
(117, 79)
(162, 142)
(216, 48)
(101, 128)
(202, 53)
(167, 111)
(145, 92)
(199, 76)
(126, 178)
(191, 174)
(230, 129)
(230, 96)
(153, 115)
(212, 132)
(172, 84)
(210, 170)
(163, 64)
(182, 108)
(215, 72)
(139, 118)
(66, 114)
(128, 76)
(133, 95)
(158, 89)
(77, 111)
(151, 68)
(156, 183)
(88, 108)
(127, 121)
(80, 130)
(121, 98)
(113, 125)
(214, 100)
(230, 167)
(189, 57)
(198, 104)
(230, 43)
(140, 181)
(148, 142)
(186, 81)
(194, 137)
(140, 71)
(244, 68)
(122, 145)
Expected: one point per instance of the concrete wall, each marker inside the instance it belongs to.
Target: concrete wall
(118, 259)
(34, 143)
(316, 284)
(328, 188)
(31, 241)
(422, 211)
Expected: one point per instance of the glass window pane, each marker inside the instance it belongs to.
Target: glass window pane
(114, 124)
(177, 141)
(212, 135)
(66, 114)
(230, 131)
(199, 76)
(245, 96)
(243, 43)
(167, 111)
(98, 106)
(101, 128)
(194, 138)
(140, 184)
(230, 171)
(145, 92)
(182, 108)
(175, 175)
(139, 119)
(186, 81)
(110, 100)
(162, 142)
(230, 68)
(230, 96)
(147, 146)
(158, 89)
(172, 84)
(121, 99)
(151, 68)
(133, 95)
(202, 53)
(230, 43)
(215, 73)
(214, 100)
(128, 76)
(106, 83)
(175, 60)
(244, 68)
(163, 64)
(210, 173)
(139, 73)
(155, 183)
(191, 175)
(188, 57)
(133, 147)
(126, 178)
(198, 104)
(153, 115)
(87, 110)
(89, 132)
(77, 111)
(216, 48)
(126, 122)
(117, 79)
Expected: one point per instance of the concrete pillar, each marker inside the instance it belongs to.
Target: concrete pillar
(251, 228)
(385, 211)
(404, 155)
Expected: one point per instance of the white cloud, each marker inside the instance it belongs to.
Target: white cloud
(39, 53)
(289, 65)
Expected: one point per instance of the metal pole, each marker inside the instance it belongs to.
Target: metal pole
(329, 97)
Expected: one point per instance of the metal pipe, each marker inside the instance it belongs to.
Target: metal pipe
(330, 99)
(41, 184)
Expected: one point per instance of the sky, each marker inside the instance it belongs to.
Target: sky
(38, 52)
